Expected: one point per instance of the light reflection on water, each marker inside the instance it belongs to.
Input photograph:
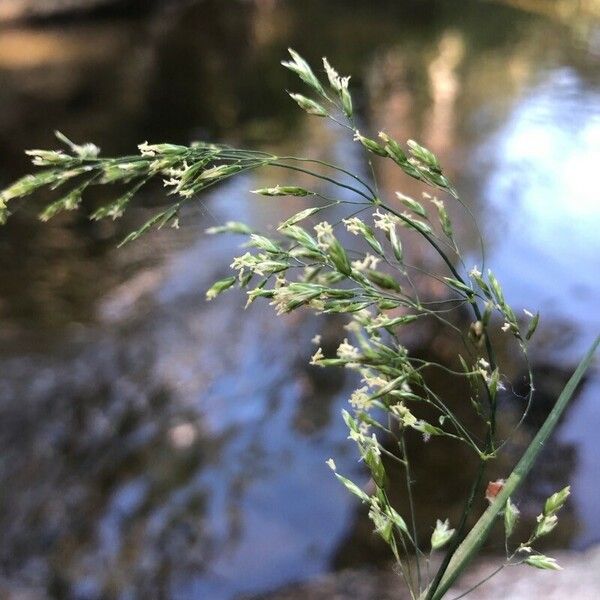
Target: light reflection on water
(171, 445)
(541, 186)
(548, 249)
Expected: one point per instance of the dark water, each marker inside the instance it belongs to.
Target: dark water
(153, 444)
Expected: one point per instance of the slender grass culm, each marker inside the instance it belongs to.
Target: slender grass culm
(302, 266)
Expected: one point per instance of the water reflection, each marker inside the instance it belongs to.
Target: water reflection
(548, 249)
(549, 211)
(168, 451)
(153, 443)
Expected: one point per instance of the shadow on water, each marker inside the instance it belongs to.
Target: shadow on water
(152, 443)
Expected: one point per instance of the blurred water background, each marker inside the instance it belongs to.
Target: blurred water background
(155, 444)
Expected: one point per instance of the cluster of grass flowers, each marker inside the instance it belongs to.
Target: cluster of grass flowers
(305, 263)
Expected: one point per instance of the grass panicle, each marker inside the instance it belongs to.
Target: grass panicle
(306, 263)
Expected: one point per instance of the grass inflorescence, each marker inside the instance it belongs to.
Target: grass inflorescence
(304, 265)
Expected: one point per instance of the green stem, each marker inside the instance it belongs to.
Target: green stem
(411, 506)
(480, 532)
(332, 166)
(457, 536)
(323, 177)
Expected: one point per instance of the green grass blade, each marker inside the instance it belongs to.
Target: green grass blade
(477, 536)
